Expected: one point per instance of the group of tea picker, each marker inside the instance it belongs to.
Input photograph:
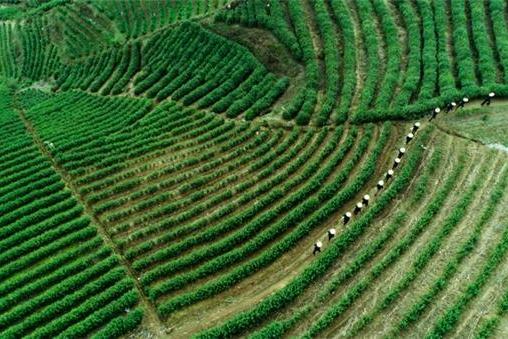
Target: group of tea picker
(451, 106)
(359, 206)
(390, 173)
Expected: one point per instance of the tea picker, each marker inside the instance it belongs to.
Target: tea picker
(317, 247)
(366, 199)
(389, 175)
(451, 106)
(488, 98)
(415, 127)
(358, 208)
(331, 233)
(402, 150)
(346, 217)
(464, 101)
(396, 163)
(435, 112)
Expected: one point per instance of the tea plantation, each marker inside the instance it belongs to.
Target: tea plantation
(253, 168)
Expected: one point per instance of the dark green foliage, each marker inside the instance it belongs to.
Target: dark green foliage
(55, 270)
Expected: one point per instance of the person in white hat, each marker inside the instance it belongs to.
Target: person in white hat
(464, 101)
(435, 112)
(317, 247)
(358, 208)
(488, 98)
(396, 163)
(346, 217)
(415, 127)
(366, 199)
(380, 185)
(450, 107)
(331, 233)
(409, 137)
(389, 174)
(402, 151)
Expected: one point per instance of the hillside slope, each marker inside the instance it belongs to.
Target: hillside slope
(167, 168)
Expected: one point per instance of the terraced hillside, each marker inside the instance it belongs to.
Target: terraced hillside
(169, 168)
